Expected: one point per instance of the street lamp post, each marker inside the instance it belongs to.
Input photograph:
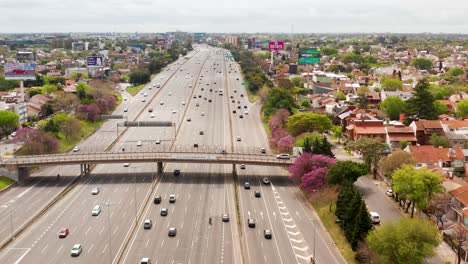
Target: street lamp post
(108, 204)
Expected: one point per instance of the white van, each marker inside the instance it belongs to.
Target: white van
(375, 217)
(96, 210)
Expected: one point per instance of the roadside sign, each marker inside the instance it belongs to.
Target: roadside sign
(20, 71)
(94, 61)
(245, 83)
(275, 45)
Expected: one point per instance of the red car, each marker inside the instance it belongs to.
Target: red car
(63, 233)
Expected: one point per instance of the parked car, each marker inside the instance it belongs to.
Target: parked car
(242, 166)
(389, 193)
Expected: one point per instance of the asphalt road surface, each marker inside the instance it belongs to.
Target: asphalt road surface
(202, 191)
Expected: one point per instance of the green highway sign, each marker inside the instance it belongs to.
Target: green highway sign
(245, 83)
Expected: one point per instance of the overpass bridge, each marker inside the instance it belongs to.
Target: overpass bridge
(151, 154)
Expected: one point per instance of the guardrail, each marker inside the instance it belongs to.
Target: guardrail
(202, 154)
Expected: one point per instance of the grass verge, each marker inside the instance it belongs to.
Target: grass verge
(252, 97)
(118, 98)
(5, 182)
(86, 129)
(321, 201)
(134, 89)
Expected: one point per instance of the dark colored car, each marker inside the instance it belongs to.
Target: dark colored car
(157, 199)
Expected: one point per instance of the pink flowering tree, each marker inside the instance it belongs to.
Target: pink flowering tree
(111, 101)
(286, 143)
(278, 120)
(36, 142)
(310, 171)
(276, 135)
(88, 112)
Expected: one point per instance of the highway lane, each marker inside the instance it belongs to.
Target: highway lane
(86, 212)
(202, 187)
(21, 203)
(284, 209)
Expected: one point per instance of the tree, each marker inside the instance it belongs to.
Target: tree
(421, 105)
(49, 126)
(340, 95)
(393, 106)
(307, 147)
(310, 171)
(71, 128)
(286, 143)
(9, 121)
(462, 109)
(368, 147)
(81, 89)
(284, 83)
(405, 241)
(296, 81)
(328, 51)
(337, 132)
(345, 172)
(305, 103)
(336, 68)
(33, 91)
(440, 108)
(35, 142)
(307, 122)
(389, 84)
(422, 64)
(279, 98)
(394, 161)
(64, 102)
(439, 141)
(416, 186)
(49, 88)
(138, 77)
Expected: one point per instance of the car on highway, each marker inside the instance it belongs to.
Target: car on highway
(172, 198)
(157, 199)
(190, 86)
(125, 110)
(96, 210)
(172, 232)
(174, 111)
(145, 94)
(241, 116)
(139, 143)
(95, 191)
(238, 107)
(126, 164)
(13, 134)
(242, 166)
(170, 94)
(263, 151)
(202, 133)
(157, 142)
(163, 212)
(247, 185)
(176, 172)
(63, 233)
(375, 217)
(150, 110)
(258, 194)
(143, 100)
(235, 91)
(189, 119)
(202, 113)
(125, 98)
(266, 180)
(251, 222)
(152, 115)
(209, 101)
(241, 95)
(183, 103)
(234, 111)
(267, 233)
(238, 138)
(225, 217)
(282, 156)
(145, 261)
(147, 224)
(389, 193)
(76, 250)
(76, 149)
(161, 103)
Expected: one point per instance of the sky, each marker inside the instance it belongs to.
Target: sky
(221, 16)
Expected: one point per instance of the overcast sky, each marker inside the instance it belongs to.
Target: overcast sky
(307, 16)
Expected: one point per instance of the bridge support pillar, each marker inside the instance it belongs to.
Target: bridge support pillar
(234, 170)
(160, 167)
(82, 170)
(23, 173)
(85, 169)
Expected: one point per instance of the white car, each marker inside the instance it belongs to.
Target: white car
(239, 139)
(143, 100)
(174, 111)
(375, 217)
(183, 103)
(139, 143)
(13, 134)
(246, 112)
(170, 94)
(389, 192)
(145, 94)
(282, 156)
(126, 165)
(125, 98)
(202, 114)
(242, 166)
(152, 115)
(76, 250)
(95, 191)
(76, 149)
(158, 141)
(161, 103)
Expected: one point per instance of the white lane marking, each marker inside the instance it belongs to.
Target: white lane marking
(102, 229)
(178, 242)
(115, 230)
(162, 243)
(22, 256)
(147, 242)
(86, 233)
(60, 248)
(104, 250)
(44, 249)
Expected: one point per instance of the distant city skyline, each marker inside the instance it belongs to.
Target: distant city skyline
(241, 16)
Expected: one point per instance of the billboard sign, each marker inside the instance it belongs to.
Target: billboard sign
(275, 45)
(308, 60)
(309, 52)
(20, 71)
(94, 61)
(309, 56)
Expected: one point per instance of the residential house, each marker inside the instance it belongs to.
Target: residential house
(455, 98)
(399, 133)
(451, 106)
(35, 104)
(459, 205)
(424, 130)
(456, 131)
(430, 156)
(404, 95)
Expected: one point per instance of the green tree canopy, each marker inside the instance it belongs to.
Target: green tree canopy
(462, 109)
(416, 185)
(393, 106)
(345, 172)
(307, 122)
(278, 98)
(405, 241)
(421, 105)
(440, 108)
(440, 141)
(394, 161)
(305, 103)
(9, 121)
(390, 84)
(340, 95)
(369, 148)
(422, 64)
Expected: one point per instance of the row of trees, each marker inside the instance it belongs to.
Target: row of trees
(253, 74)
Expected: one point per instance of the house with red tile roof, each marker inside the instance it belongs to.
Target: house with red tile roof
(424, 129)
(459, 205)
(428, 156)
(456, 131)
(368, 127)
(399, 133)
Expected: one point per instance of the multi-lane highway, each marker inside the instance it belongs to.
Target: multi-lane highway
(191, 91)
